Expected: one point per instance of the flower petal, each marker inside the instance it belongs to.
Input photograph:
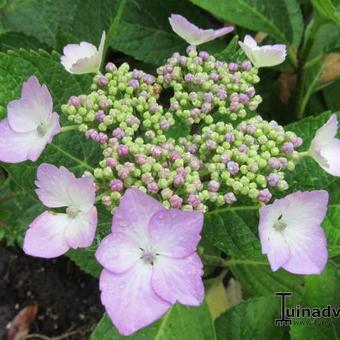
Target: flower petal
(176, 233)
(272, 241)
(179, 279)
(58, 187)
(133, 215)
(193, 34)
(45, 236)
(263, 56)
(117, 253)
(32, 109)
(308, 250)
(306, 209)
(326, 133)
(130, 300)
(81, 230)
(331, 153)
(17, 147)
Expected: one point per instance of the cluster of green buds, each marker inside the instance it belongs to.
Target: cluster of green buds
(227, 156)
(206, 88)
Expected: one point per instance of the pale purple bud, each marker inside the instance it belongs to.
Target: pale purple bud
(229, 137)
(204, 55)
(176, 201)
(134, 83)
(288, 147)
(174, 106)
(144, 94)
(283, 163)
(183, 60)
(102, 81)
(123, 150)
(104, 104)
(150, 134)
(189, 78)
(168, 146)
(297, 141)
(153, 107)
(230, 198)
(235, 79)
(243, 148)
(149, 79)
(192, 148)
(153, 187)
(193, 200)
(206, 107)
(253, 106)
(137, 74)
(208, 97)
(175, 155)
(225, 158)
(253, 167)
(251, 129)
(274, 163)
(113, 142)
(214, 76)
(181, 172)
(195, 112)
(273, 179)
(169, 68)
(243, 98)
(140, 159)
(264, 195)
(164, 173)
(190, 49)
(101, 138)
(178, 180)
(164, 124)
(168, 78)
(213, 186)
(118, 133)
(111, 162)
(74, 101)
(199, 79)
(110, 67)
(157, 151)
(147, 178)
(195, 164)
(88, 133)
(123, 173)
(221, 94)
(116, 185)
(233, 67)
(100, 115)
(246, 65)
(233, 167)
(251, 91)
(211, 145)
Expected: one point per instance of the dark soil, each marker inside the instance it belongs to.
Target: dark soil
(68, 299)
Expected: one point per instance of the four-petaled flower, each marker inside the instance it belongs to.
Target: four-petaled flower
(291, 234)
(325, 147)
(193, 34)
(149, 261)
(263, 56)
(30, 124)
(84, 57)
(53, 234)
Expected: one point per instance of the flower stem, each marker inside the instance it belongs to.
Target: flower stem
(69, 128)
(215, 261)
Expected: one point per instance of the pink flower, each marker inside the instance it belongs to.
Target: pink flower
(263, 56)
(30, 124)
(291, 234)
(149, 261)
(325, 147)
(193, 34)
(83, 58)
(53, 234)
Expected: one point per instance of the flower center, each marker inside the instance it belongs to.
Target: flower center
(41, 130)
(72, 212)
(279, 225)
(148, 257)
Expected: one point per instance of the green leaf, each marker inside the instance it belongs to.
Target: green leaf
(14, 40)
(326, 10)
(144, 31)
(180, 323)
(281, 19)
(231, 52)
(320, 291)
(331, 95)
(251, 319)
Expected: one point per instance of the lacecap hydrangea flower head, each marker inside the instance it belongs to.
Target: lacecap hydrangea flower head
(158, 186)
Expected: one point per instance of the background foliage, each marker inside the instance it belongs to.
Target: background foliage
(302, 92)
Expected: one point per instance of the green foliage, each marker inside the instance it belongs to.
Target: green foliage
(251, 319)
(260, 15)
(180, 323)
(327, 10)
